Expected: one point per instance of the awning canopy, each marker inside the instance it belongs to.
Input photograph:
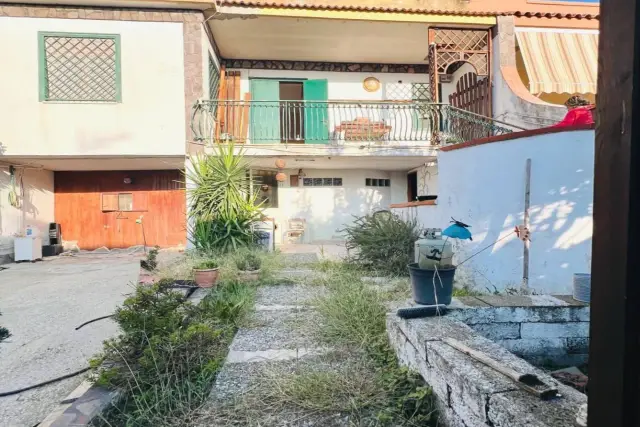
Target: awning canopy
(559, 61)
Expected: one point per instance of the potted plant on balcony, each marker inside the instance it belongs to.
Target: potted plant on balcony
(249, 265)
(206, 273)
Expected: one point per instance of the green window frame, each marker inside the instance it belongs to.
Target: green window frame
(79, 67)
(214, 78)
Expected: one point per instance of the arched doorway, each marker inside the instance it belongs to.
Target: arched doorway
(472, 94)
(449, 46)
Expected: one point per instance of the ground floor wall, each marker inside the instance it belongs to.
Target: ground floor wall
(119, 209)
(35, 195)
(327, 209)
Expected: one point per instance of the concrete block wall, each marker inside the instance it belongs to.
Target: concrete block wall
(469, 393)
(545, 330)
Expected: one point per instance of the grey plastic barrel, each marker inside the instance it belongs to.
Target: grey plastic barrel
(582, 287)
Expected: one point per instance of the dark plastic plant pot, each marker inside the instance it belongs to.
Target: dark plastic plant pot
(423, 288)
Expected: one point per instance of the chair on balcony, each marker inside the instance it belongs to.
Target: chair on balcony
(295, 230)
(362, 129)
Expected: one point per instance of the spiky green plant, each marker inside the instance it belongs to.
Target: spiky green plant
(223, 207)
(220, 185)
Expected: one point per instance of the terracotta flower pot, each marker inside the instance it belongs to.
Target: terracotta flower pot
(206, 278)
(249, 276)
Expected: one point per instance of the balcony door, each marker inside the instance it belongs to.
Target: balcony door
(291, 112)
(284, 111)
(265, 111)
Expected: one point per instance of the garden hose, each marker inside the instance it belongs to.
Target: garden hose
(31, 387)
(13, 194)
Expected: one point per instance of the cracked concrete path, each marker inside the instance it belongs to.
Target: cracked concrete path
(42, 304)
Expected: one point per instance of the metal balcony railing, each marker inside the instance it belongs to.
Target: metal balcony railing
(339, 122)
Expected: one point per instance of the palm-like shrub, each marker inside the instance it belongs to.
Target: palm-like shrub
(223, 208)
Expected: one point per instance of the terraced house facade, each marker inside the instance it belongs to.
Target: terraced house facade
(102, 102)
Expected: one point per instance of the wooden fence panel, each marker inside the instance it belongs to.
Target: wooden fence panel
(472, 94)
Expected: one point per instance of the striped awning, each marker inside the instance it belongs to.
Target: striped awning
(559, 61)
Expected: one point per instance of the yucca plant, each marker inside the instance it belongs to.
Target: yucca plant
(223, 208)
(221, 184)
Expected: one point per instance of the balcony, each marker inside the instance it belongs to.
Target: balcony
(398, 123)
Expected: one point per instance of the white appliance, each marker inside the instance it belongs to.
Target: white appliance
(267, 228)
(27, 248)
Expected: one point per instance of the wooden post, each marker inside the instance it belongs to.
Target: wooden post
(614, 353)
(527, 203)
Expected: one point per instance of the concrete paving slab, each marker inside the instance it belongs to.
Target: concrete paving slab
(269, 330)
(42, 304)
(288, 295)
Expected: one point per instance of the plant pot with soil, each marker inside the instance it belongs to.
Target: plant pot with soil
(431, 286)
(206, 273)
(249, 267)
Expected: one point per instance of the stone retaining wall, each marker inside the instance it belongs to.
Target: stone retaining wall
(545, 330)
(469, 393)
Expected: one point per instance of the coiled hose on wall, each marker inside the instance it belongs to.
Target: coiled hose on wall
(13, 194)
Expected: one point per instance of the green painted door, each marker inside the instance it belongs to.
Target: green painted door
(265, 111)
(316, 114)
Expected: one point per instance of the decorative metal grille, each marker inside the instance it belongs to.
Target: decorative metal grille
(214, 79)
(407, 91)
(80, 67)
(470, 46)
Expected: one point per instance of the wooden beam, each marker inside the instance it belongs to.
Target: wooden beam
(614, 355)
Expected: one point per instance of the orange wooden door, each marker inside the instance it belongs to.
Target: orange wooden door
(157, 196)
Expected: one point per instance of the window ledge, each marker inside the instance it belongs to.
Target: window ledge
(413, 204)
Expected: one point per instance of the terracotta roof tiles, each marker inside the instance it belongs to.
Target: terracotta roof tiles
(302, 5)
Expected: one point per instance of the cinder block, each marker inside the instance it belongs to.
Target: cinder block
(578, 345)
(498, 331)
(554, 330)
(555, 314)
(529, 347)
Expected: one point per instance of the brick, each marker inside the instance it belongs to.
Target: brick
(554, 314)
(527, 348)
(498, 331)
(555, 330)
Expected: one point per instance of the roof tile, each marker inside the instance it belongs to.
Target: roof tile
(302, 5)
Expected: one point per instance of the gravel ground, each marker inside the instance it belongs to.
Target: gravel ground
(41, 304)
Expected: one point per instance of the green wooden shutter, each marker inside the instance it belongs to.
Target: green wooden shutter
(265, 111)
(316, 114)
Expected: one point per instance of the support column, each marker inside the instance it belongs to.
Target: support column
(614, 354)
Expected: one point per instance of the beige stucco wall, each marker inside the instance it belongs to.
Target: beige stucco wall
(36, 210)
(150, 120)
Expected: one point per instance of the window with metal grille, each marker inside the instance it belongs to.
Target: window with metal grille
(322, 182)
(80, 67)
(377, 182)
(214, 79)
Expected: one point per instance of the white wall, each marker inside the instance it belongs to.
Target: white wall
(37, 204)
(428, 179)
(484, 185)
(149, 120)
(327, 209)
(342, 85)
